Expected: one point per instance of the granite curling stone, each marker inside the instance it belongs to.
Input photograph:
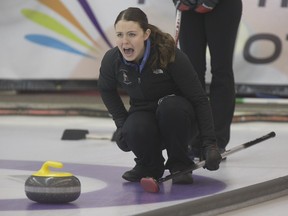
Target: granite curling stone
(45, 186)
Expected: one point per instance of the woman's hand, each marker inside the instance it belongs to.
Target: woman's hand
(212, 156)
(206, 6)
(120, 141)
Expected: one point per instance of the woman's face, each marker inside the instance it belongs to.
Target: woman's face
(130, 39)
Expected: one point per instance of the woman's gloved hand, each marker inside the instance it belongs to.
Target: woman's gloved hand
(206, 6)
(184, 5)
(119, 139)
(212, 156)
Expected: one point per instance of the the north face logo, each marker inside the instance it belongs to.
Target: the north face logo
(158, 71)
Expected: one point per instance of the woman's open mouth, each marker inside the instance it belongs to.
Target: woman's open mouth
(128, 52)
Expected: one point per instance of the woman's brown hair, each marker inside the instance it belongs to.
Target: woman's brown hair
(162, 44)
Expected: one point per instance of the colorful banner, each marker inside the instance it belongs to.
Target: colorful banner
(66, 39)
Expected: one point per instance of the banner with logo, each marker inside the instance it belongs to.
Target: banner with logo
(66, 39)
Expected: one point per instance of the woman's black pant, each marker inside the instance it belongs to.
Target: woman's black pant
(172, 127)
(217, 30)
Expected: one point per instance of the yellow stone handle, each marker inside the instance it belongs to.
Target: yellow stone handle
(46, 172)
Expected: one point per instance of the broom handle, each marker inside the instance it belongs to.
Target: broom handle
(223, 155)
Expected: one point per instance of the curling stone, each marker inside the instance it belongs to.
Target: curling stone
(45, 186)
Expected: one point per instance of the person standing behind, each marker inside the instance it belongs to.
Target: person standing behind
(167, 101)
(213, 24)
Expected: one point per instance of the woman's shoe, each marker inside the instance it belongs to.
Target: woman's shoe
(183, 179)
(138, 172)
